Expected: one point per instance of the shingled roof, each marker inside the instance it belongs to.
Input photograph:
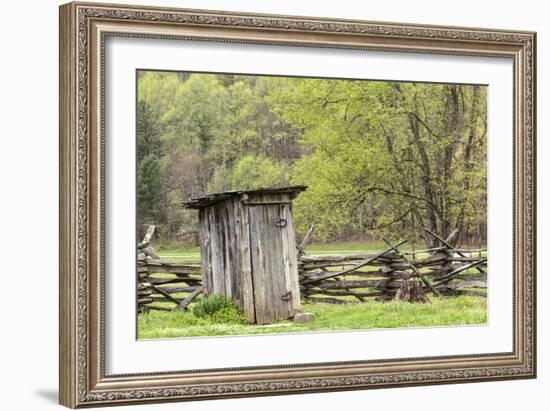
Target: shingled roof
(213, 198)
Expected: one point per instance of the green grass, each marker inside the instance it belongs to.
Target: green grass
(193, 253)
(346, 247)
(179, 253)
(328, 317)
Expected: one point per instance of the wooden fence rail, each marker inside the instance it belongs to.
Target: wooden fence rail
(442, 273)
(442, 270)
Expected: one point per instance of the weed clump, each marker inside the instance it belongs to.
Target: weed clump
(218, 309)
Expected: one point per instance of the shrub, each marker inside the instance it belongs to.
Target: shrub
(218, 309)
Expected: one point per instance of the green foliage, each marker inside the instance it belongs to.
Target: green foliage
(148, 131)
(258, 171)
(218, 309)
(379, 158)
(389, 158)
(149, 189)
(250, 171)
(328, 317)
(210, 133)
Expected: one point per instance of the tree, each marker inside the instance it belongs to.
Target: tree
(256, 172)
(379, 158)
(148, 131)
(150, 191)
(388, 157)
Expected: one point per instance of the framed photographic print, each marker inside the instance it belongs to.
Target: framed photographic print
(260, 204)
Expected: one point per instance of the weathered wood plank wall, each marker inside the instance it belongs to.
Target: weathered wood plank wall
(248, 252)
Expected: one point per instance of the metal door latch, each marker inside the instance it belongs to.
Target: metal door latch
(287, 296)
(281, 222)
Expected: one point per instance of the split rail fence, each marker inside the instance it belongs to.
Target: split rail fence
(443, 270)
(165, 285)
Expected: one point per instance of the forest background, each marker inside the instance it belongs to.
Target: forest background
(379, 158)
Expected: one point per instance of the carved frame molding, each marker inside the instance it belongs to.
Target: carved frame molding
(84, 27)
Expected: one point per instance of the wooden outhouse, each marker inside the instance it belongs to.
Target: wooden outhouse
(248, 250)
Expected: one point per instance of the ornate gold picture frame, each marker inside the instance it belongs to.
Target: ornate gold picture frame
(84, 30)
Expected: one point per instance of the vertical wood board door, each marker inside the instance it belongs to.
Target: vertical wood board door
(273, 262)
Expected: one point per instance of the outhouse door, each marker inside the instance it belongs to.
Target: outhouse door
(273, 262)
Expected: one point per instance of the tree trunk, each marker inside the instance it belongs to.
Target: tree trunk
(412, 291)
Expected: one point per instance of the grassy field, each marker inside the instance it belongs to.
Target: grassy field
(193, 253)
(328, 317)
